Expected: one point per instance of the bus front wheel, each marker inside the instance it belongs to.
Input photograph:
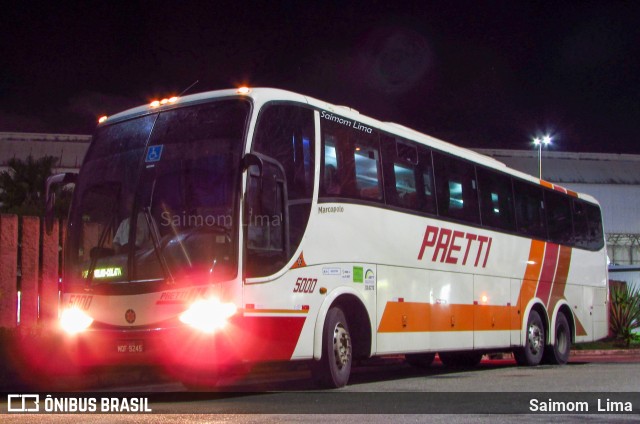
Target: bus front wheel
(334, 367)
(531, 353)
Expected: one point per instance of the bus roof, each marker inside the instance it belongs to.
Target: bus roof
(264, 95)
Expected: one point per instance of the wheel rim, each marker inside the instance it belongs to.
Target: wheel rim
(341, 345)
(536, 341)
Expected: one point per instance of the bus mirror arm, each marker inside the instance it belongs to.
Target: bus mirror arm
(50, 195)
(252, 159)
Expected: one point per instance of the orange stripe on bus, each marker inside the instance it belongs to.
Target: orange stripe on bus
(580, 331)
(529, 282)
(534, 264)
(560, 279)
(451, 317)
(400, 317)
(405, 316)
(549, 267)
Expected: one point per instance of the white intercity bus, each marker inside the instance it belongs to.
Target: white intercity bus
(244, 226)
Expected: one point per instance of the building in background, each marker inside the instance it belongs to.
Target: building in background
(613, 179)
(68, 148)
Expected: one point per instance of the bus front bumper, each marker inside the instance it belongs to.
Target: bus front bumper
(243, 340)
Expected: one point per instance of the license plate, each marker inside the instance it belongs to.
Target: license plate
(130, 346)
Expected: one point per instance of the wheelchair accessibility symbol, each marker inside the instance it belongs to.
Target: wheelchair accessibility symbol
(154, 153)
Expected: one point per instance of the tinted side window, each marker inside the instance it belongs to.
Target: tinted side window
(408, 175)
(496, 200)
(587, 225)
(580, 224)
(286, 133)
(456, 188)
(351, 164)
(559, 224)
(594, 225)
(530, 219)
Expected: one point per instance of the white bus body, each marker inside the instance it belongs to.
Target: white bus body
(406, 256)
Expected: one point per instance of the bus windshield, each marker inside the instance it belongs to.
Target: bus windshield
(157, 198)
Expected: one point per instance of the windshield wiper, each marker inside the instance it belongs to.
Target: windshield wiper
(155, 240)
(97, 255)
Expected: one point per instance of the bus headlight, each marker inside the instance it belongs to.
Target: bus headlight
(73, 320)
(208, 315)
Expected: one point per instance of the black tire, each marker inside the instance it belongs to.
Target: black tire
(420, 360)
(460, 359)
(558, 353)
(533, 350)
(334, 367)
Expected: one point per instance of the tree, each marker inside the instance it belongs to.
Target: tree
(22, 186)
(624, 312)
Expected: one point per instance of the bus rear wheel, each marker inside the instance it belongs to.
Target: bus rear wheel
(558, 353)
(460, 359)
(334, 367)
(531, 353)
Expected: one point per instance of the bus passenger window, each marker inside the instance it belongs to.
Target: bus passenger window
(559, 222)
(496, 200)
(529, 210)
(594, 224)
(405, 186)
(408, 174)
(456, 188)
(367, 172)
(580, 224)
(456, 202)
(587, 225)
(350, 163)
(425, 184)
(330, 180)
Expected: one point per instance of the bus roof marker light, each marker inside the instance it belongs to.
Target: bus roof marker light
(243, 90)
(102, 119)
(155, 103)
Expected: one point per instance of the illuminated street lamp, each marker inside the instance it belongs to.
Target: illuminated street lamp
(546, 140)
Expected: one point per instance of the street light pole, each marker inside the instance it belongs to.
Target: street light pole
(546, 140)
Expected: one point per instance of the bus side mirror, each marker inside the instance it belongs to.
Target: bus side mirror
(50, 195)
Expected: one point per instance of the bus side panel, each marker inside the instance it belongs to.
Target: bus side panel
(581, 314)
(515, 313)
(403, 310)
(600, 321)
(491, 312)
(452, 310)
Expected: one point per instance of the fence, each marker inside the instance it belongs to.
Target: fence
(29, 277)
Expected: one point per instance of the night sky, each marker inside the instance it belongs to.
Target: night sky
(479, 74)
